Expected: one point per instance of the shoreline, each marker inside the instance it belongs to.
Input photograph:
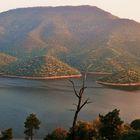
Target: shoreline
(119, 84)
(52, 77)
(42, 78)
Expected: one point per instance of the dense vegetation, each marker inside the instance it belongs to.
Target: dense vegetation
(43, 66)
(123, 77)
(78, 36)
(106, 59)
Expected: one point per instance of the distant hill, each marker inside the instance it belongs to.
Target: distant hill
(80, 37)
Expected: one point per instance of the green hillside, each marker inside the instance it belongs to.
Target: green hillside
(43, 66)
(123, 77)
(102, 60)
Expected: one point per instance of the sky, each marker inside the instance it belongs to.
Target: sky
(122, 8)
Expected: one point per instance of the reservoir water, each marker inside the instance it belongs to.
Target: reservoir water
(52, 101)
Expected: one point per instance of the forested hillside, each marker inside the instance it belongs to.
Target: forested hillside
(44, 66)
(79, 36)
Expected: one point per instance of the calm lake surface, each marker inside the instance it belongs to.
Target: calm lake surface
(52, 101)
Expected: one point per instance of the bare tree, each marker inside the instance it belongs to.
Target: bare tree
(80, 104)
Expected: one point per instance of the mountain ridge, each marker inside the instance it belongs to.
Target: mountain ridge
(79, 36)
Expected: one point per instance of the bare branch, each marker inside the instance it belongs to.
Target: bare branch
(82, 90)
(74, 88)
(87, 101)
(83, 79)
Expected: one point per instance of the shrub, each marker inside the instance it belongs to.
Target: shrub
(57, 134)
(135, 124)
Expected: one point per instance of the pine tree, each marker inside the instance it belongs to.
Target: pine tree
(31, 124)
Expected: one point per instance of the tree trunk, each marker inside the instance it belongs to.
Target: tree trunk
(31, 134)
(75, 118)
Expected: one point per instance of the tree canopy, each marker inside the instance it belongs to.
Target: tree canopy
(31, 124)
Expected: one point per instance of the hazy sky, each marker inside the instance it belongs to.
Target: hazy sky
(122, 8)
